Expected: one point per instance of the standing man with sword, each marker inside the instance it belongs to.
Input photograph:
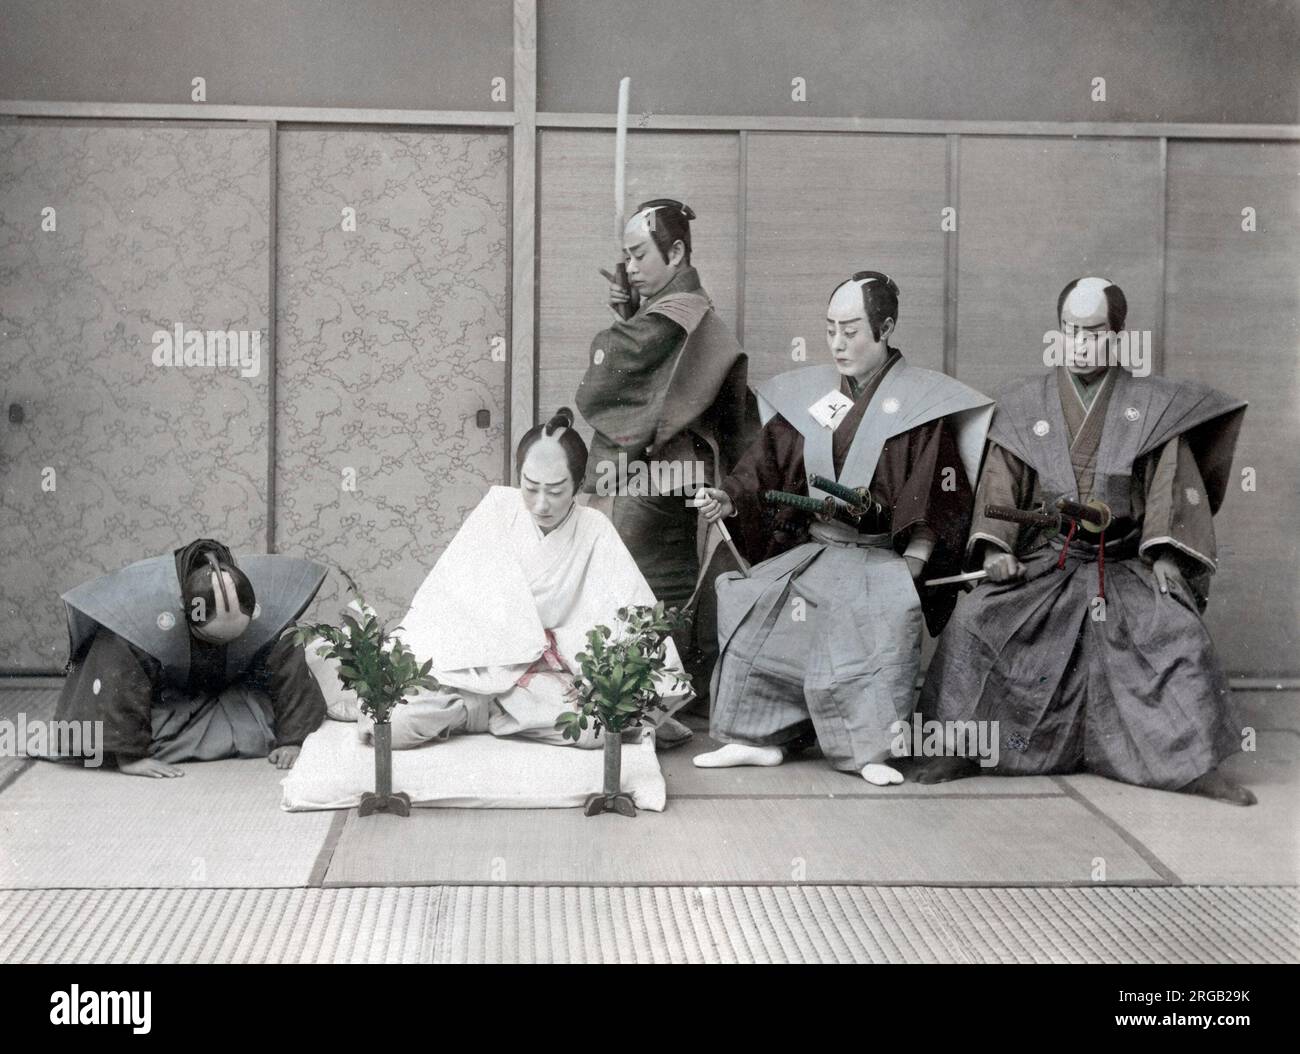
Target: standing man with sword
(666, 391)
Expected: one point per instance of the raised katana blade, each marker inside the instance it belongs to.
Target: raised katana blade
(620, 162)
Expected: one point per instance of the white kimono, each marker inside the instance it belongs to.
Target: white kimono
(503, 615)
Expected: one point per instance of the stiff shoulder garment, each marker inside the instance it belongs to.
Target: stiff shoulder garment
(1085, 664)
(161, 692)
(823, 638)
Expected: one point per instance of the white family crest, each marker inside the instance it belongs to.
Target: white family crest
(831, 409)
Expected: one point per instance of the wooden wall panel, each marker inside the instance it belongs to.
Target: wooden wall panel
(156, 225)
(1034, 214)
(819, 208)
(1234, 323)
(576, 208)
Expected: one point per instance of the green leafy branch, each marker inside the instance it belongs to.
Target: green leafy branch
(616, 688)
(372, 661)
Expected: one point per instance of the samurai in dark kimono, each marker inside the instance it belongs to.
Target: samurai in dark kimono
(666, 392)
(1086, 648)
(823, 638)
(182, 659)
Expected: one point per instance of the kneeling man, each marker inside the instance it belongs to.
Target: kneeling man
(1087, 650)
(181, 657)
(823, 639)
(507, 607)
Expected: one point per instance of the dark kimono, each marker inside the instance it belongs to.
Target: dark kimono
(162, 693)
(668, 385)
(824, 638)
(1084, 664)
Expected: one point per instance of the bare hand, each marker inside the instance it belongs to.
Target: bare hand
(1003, 567)
(150, 767)
(1166, 571)
(283, 757)
(714, 503)
(617, 294)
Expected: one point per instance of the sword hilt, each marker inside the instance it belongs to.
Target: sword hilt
(629, 308)
(1094, 516)
(822, 508)
(858, 499)
(1024, 517)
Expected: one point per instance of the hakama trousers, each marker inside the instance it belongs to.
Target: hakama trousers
(823, 639)
(662, 534)
(238, 722)
(1137, 696)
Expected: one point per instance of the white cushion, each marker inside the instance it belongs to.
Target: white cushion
(467, 771)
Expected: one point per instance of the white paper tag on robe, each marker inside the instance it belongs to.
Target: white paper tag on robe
(831, 409)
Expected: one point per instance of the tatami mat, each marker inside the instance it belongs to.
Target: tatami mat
(36, 704)
(808, 774)
(1205, 842)
(220, 825)
(215, 925)
(63, 826)
(995, 840)
(652, 925)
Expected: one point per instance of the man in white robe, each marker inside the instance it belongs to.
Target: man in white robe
(507, 608)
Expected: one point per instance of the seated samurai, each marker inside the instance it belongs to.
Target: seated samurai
(1085, 647)
(507, 607)
(822, 639)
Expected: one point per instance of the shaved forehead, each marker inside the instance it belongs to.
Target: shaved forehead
(637, 229)
(1087, 304)
(225, 621)
(546, 463)
(846, 303)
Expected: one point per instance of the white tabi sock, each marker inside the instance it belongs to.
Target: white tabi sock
(734, 755)
(881, 775)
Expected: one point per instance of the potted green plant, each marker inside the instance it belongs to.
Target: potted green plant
(623, 679)
(382, 671)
